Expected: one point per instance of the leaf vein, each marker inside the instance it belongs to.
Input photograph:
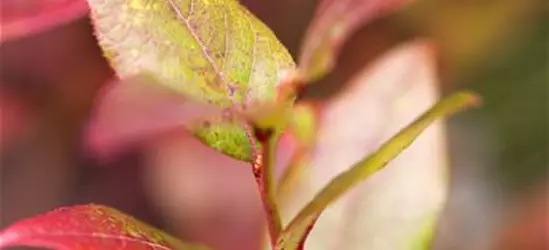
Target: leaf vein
(191, 8)
(200, 43)
(254, 51)
(226, 50)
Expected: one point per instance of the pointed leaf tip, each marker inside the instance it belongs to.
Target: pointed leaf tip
(471, 98)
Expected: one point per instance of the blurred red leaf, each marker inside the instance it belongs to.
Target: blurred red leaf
(24, 18)
(333, 23)
(134, 109)
(13, 118)
(526, 222)
(87, 227)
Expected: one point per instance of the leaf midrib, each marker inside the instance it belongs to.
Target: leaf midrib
(200, 43)
(107, 236)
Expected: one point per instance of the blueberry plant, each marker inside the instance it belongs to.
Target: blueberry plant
(214, 68)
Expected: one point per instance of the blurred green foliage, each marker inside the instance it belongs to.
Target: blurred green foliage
(514, 86)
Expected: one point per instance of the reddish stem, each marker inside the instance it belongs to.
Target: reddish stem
(301, 245)
(263, 172)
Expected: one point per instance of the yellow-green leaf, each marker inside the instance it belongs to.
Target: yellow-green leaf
(215, 51)
(304, 122)
(294, 234)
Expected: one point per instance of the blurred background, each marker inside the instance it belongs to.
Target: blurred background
(50, 76)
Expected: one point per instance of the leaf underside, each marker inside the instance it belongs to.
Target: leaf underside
(214, 51)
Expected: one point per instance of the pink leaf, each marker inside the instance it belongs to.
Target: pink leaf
(135, 109)
(87, 227)
(333, 23)
(392, 206)
(24, 18)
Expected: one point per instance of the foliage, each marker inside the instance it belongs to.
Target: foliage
(214, 68)
(27, 18)
(88, 227)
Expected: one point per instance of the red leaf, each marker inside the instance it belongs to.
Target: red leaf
(86, 227)
(134, 109)
(24, 18)
(333, 23)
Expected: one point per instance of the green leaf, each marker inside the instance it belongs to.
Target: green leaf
(215, 51)
(296, 231)
(304, 122)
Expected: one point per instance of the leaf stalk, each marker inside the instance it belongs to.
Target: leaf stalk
(263, 169)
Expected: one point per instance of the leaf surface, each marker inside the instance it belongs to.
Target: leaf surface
(25, 18)
(334, 22)
(389, 207)
(134, 109)
(88, 227)
(212, 50)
